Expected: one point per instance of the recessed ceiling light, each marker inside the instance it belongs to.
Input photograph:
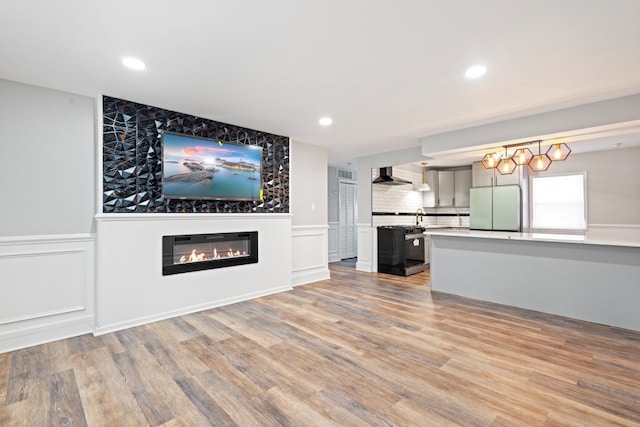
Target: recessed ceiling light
(133, 63)
(475, 72)
(325, 121)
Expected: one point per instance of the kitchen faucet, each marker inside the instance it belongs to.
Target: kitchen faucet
(421, 212)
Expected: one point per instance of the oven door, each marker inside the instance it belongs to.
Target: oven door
(413, 253)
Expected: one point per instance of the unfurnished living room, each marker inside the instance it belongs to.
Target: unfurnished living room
(275, 213)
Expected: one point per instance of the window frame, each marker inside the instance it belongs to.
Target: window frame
(585, 191)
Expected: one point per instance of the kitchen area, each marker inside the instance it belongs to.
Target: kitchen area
(481, 239)
(412, 199)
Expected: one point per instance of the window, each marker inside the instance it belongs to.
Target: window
(558, 202)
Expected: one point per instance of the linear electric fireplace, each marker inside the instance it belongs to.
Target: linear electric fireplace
(193, 252)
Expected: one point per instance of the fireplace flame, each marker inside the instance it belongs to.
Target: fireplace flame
(196, 256)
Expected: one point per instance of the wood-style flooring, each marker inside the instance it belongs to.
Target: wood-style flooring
(359, 349)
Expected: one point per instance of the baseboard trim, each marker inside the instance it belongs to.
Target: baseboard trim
(40, 334)
(304, 277)
(364, 266)
(101, 330)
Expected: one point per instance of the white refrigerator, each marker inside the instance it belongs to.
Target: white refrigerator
(495, 208)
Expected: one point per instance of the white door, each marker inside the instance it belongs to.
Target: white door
(347, 206)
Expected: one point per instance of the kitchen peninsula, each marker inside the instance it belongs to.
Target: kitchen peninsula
(595, 277)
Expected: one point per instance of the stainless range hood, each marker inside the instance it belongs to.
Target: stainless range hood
(386, 178)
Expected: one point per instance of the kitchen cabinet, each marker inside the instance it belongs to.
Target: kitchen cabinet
(446, 188)
(449, 188)
(430, 198)
(483, 177)
(462, 185)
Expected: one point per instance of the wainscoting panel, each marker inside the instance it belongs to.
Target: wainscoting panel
(334, 241)
(309, 254)
(367, 247)
(46, 289)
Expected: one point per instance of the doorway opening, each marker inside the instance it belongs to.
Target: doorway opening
(347, 217)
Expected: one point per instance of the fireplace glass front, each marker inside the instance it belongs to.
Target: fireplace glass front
(181, 254)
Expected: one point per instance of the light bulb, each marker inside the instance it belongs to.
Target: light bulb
(505, 168)
(558, 153)
(539, 163)
(491, 161)
(522, 157)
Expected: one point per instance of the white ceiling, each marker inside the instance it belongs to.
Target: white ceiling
(388, 72)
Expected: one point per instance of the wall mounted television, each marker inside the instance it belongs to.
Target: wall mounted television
(201, 168)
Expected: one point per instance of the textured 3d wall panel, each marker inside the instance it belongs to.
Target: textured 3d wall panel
(132, 160)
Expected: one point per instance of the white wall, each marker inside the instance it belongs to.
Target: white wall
(47, 143)
(47, 187)
(309, 206)
(613, 182)
(308, 184)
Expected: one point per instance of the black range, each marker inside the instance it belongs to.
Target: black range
(400, 249)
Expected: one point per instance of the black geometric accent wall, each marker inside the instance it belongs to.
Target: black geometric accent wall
(132, 161)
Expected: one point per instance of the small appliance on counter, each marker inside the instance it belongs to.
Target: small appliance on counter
(401, 249)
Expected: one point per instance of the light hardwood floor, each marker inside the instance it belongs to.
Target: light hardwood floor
(359, 349)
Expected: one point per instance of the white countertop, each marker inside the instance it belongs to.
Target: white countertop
(600, 238)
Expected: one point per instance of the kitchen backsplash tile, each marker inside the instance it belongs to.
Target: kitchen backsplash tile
(397, 198)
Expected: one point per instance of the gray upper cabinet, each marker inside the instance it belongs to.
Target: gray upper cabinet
(446, 188)
(449, 188)
(430, 198)
(481, 176)
(462, 184)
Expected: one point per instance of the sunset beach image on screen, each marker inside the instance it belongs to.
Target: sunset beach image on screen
(200, 168)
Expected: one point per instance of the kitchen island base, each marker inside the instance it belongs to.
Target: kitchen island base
(596, 283)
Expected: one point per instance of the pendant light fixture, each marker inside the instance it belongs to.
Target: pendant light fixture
(490, 161)
(540, 162)
(424, 186)
(522, 156)
(558, 152)
(506, 165)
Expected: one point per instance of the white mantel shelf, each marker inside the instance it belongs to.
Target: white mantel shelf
(188, 216)
(600, 238)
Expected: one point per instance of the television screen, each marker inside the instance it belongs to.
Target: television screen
(199, 168)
